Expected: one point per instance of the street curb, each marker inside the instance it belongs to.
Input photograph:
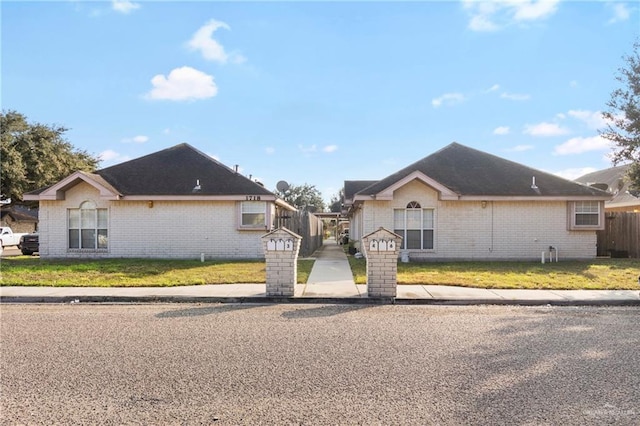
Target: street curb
(308, 300)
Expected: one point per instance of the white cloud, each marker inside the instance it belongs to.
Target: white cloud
(209, 47)
(574, 173)
(620, 12)
(545, 129)
(270, 150)
(136, 139)
(112, 157)
(515, 96)
(521, 148)
(307, 150)
(182, 84)
(502, 130)
(166, 131)
(494, 15)
(573, 83)
(124, 6)
(580, 144)
(482, 23)
(448, 99)
(330, 148)
(531, 10)
(593, 120)
(493, 88)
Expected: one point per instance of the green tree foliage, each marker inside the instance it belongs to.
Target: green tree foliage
(335, 204)
(35, 155)
(303, 197)
(623, 117)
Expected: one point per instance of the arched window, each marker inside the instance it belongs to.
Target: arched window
(415, 225)
(88, 227)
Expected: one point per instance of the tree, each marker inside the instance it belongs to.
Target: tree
(35, 155)
(303, 197)
(623, 117)
(335, 204)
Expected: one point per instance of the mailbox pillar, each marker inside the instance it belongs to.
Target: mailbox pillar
(281, 248)
(381, 249)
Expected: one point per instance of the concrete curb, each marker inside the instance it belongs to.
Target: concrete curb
(309, 300)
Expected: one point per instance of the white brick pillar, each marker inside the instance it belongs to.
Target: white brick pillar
(281, 249)
(381, 250)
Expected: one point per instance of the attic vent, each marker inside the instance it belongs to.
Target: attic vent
(197, 188)
(533, 183)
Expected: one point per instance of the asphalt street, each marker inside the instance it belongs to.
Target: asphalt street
(319, 364)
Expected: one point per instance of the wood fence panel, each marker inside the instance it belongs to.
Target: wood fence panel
(308, 226)
(621, 236)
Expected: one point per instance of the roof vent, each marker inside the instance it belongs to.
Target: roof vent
(197, 188)
(533, 183)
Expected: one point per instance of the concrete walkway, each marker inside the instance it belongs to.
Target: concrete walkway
(330, 281)
(331, 275)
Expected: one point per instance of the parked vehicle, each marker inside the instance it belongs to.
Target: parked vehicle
(8, 238)
(29, 244)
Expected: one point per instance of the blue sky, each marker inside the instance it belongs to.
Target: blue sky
(321, 92)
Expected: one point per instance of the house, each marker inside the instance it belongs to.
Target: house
(614, 181)
(175, 203)
(19, 218)
(463, 204)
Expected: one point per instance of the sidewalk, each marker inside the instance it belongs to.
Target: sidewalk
(330, 281)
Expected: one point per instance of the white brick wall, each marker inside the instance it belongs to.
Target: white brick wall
(501, 230)
(170, 229)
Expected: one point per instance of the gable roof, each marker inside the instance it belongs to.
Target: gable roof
(467, 172)
(352, 187)
(19, 213)
(177, 171)
(180, 172)
(614, 178)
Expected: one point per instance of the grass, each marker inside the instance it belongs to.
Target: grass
(597, 274)
(32, 271)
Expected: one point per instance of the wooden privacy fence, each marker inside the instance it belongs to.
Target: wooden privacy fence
(621, 236)
(308, 226)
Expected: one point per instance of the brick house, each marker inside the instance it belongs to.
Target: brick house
(463, 204)
(20, 219)
(175, 203)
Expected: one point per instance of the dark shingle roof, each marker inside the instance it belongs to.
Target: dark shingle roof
(20, 214)
(175, 171)
(468, 171)
(615, 178)
(351, 187)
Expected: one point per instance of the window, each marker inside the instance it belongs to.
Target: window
(88, 227)
(253, 214)
(415, 225)
(586, 215)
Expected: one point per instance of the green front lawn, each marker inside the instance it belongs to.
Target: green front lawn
(593, 274)
(31, 271)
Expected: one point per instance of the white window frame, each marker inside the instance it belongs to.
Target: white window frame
(586, 207)
(88, 214)
(414, 206)
(244, 209)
